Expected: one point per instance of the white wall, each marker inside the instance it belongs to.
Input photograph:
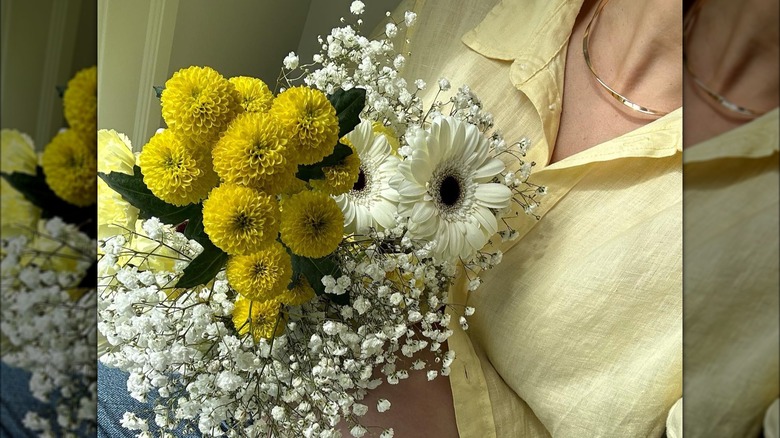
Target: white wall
(134, 49)
(43, 43)
(324, 15)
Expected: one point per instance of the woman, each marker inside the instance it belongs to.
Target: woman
(579, 331)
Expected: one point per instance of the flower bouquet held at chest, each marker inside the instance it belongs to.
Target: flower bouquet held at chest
(48, 265)
(270, 256)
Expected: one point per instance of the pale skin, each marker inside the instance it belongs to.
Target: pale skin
(733, 48)
(637, 48)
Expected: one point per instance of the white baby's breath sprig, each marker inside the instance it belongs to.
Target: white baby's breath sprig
(48, 324)
(311, 373)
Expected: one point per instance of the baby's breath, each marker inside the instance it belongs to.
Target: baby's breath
(48, 324)
(299, 364)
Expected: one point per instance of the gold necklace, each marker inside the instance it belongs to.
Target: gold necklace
(714, 97)
(619, 97)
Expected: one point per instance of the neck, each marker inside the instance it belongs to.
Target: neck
(732, 46)
(636, 46)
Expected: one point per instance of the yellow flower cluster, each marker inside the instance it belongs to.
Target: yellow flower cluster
(80, 102)
(256, 97)
(199, 103)
(341, 177)
(307, 114)
(254, 152)
(70, 165)
(231, 143)
(261, 319)
(262, 275)
(69, 161)
(176, 169)
(240, 220)
(312, 224)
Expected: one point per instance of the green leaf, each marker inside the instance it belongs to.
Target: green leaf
(194, 229)
(314, 171)
(205, 266)
(35, 189)
(314, 270)
(134, 191)
(348, 105)
(158, 89)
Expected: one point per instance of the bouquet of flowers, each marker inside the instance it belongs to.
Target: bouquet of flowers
(48, 265)
(276, 253)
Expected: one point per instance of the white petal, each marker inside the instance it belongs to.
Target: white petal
(347, 208)
(422, 212)
(456, 240)
(493, 195)
(410, 190)
(471, 139)
(388, 193)
(420, 166)
(487, 220)
(476, 236)
(427, 228)
(361, 136)
(458, 141)
(481, 151)
(489, 169)
(384, 214)
(362, 220)
(443, 239)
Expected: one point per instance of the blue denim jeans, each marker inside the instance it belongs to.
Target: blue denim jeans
(114, 401)
(16, 400)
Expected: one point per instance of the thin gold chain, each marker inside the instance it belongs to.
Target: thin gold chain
(713, 96)
(619, 97)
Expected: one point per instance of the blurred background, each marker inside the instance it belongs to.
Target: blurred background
(43, 44)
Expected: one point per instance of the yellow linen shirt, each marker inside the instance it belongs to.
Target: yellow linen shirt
(578, 332)
(732, 340)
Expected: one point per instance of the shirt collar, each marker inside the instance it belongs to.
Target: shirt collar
(533, 35)
(756, 139)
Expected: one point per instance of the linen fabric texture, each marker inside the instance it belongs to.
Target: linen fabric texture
(732, 341)
(578, 332)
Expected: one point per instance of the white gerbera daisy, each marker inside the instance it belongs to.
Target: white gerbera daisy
(445, 188)
(371, 202)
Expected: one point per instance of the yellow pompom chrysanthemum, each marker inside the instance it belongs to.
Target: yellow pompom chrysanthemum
(341, 177)
(312, 224)
(254, 152)
(294, 185)
(80, 102)
(177, 170)
(261, 318)
(300, 293)
(308, 115)
(70, 166)
(199, 103)
(255, 95)
(240, 220)
(260, 276)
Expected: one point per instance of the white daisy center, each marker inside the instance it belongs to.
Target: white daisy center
(452, 190)
(361, 190)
